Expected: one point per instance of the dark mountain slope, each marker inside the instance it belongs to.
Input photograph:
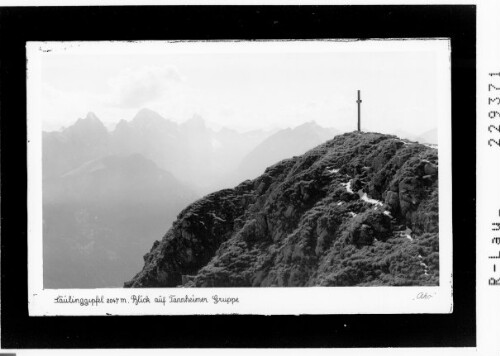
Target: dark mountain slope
(312, 220)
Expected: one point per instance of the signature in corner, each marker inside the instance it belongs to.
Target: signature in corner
(423, 296)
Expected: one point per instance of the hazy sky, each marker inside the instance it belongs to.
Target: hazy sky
(246, 85)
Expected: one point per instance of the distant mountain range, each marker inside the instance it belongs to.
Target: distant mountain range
(283, 144)
(108, 194)
(192, 152)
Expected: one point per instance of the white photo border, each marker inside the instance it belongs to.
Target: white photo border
(251, 301)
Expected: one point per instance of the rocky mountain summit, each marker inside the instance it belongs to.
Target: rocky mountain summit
(358, 210)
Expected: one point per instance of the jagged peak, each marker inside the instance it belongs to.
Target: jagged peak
(90, 122)
(196, 121)
(92, 116)
(146, 115)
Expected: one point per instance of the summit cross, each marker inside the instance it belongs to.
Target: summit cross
(359, 110)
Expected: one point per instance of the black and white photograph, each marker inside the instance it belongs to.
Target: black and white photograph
(250, 177)
(242, 164)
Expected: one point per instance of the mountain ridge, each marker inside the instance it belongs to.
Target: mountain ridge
(281, 145)
(358, 210)
(193, 152)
